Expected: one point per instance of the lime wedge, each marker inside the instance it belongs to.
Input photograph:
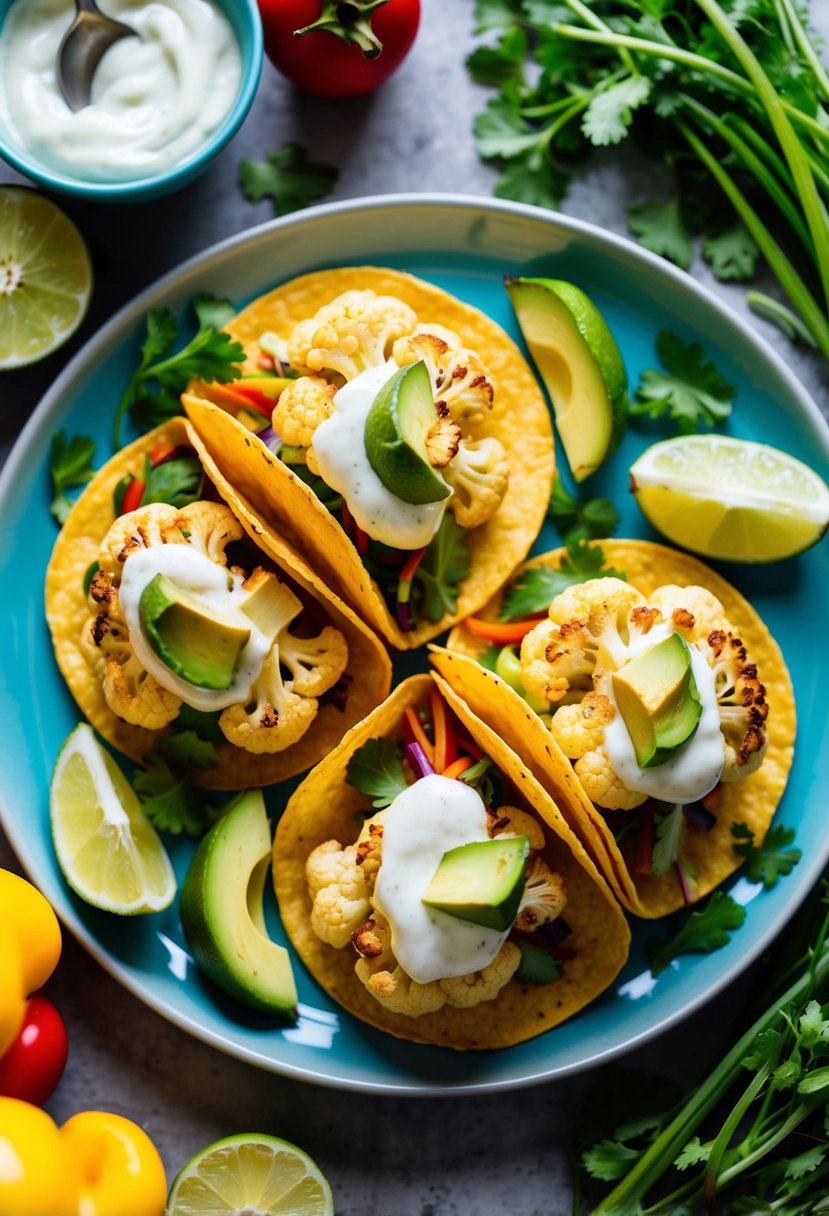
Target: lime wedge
(731, 499)
(396, 431)
(45, 277)
(251, 1175)
(582, 368)
(108, 850)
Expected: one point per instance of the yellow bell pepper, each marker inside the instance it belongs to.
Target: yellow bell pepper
(29, 950)
(97, 1164)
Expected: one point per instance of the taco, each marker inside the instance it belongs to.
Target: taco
(172, 611)
(655, 707)
(360, 845)
(407, 448)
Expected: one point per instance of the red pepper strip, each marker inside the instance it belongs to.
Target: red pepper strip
(266, 363)
(348, 520)
(644, 844)
(162, 452)
(458, 766)
(445, 750)
(711, 800)
(501, 632)
(242, 399)
(362, 540)
(407, 573)
(419, 734)
(132, 496)
(466, 745)
(259, 400)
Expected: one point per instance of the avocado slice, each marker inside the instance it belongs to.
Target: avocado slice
(482, 881)
(580, 364)
(658, 698)
(397, 425)
(199, 647)
(222, 915)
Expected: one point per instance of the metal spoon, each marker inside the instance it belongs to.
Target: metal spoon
(82, 47)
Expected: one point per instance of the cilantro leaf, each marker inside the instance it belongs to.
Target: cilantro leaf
(70, 465)
(689, 390)
(609, 1160)
(534, 590)
(669, 834)
(537, 966)
(287, 177)
(185, 750)
(376, 769)
(502, 64)
(172, 803)
(733, 253)
(706, 929)
(500, 131)
(484, 777)
(177, 481)
(496, 14)
(162, 331)
(806, 1163)
(661, 228)
(213, 312)
(770, 860)
(610, 113)
(813, 1027)
(692, 1154)
(578, 520)
(444, 566)
(537, 181)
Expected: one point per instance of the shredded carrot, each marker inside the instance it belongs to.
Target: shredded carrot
(162, 452)
(466, 745)
(458, 766)
(260, 401)
(501, 632)
(419, 734)
(248, 402)
(445, 749)
(411, 564)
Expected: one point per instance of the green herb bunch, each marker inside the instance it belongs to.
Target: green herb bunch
(732, 94)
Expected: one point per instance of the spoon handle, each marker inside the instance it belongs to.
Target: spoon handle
(87, 6)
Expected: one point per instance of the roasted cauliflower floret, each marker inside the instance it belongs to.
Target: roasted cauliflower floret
(512, 821)
(693, 611)
(354, 332)
(316, 663)
(479, 475)
(579, 728)
(385, 979)
(338, 889)
(460, 382)
(465, 991)
(556, 659)
(137, 697)
(580, 602)
(544, 896)
(274, 716)
(300, 408)
(741, 700)
(601, 784)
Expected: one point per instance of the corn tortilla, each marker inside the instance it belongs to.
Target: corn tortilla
(67, 612)
(326, 807)
(752, 800)
(520, 419)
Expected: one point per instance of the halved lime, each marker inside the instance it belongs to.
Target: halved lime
(730, 498)
(250, 1175)
(108, 850)
(580, 364)
(45, 277)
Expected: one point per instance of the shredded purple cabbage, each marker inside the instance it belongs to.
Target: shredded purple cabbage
(685, 883)
(270, 439)
(418, 763)
(404, 619)
(696, 814)
(555, 930)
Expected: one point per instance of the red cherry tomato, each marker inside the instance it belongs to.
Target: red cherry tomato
(33, 1065)
(321, 62)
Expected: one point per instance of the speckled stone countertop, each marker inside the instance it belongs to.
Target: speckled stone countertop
(494, 1155)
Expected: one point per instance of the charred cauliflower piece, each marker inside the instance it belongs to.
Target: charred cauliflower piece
(479, 475)
(356, 331)
(460, 382)
(337, 886)
(300, 408)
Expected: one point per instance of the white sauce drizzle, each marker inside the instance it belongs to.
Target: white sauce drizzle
(340, 448)
(696, 766)
(425, 821)
(214, 586)
(154, 101)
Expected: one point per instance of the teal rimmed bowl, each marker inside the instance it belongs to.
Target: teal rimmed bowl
(243, 16)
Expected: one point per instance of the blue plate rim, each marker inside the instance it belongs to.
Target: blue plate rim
(163, 287)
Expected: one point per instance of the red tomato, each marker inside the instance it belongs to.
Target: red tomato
(322, 62)
(33, 1065)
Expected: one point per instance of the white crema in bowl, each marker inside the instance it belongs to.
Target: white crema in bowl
(156, 98)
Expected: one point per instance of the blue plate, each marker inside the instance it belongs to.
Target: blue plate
(466, 246)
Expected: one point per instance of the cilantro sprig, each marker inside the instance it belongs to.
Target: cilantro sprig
(577, 519)
(706, 929)
(376, 769)
(770, 860)
(153, 394)
(687, 389)
(436, 583)
(70, 465)
(534, 590)
(287, 177)
(171, 800)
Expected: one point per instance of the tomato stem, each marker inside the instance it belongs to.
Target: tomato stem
(349, 20)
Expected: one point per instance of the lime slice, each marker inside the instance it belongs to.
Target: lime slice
(731, 499)
(107, 848)
(250, 1175)
(580, 364)
(45, 277)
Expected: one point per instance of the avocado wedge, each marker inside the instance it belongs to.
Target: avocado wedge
(658, 698)
(200, 648)
(580, 364)
(482, 881)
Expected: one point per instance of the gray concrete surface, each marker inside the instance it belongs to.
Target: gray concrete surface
(500, 1155)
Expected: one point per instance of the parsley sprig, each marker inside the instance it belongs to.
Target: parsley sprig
(70, 465)
(287, 177)
(534, 590)
(687, 389)
(731, 93)
(153, 394)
